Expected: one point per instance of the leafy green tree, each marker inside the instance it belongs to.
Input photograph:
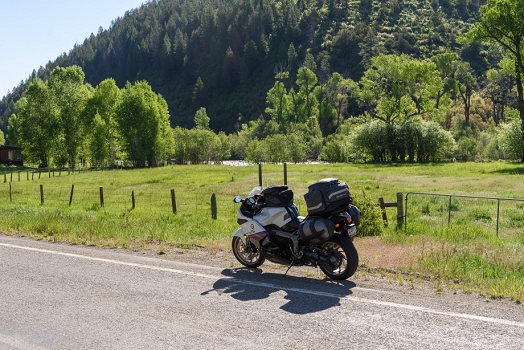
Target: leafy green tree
(445, 65)
(256, 151)
(369, 139)
(292, 55)
(501, 24)
(421, 140)
(281, 103)
(197, 96)
(70, 95)
(310, 136)
(99, 119)
(277, 101)
(296, 148)
(326, 113)
(143, 121)
(36, 125)
(277, 148)
(468, 148)
(224, 152)
(466, 85)
(13, 129)
(2, 138)
(181, 143)
(335, 151)
(511, 137)
(338, 91)
(202, 119)
(200, 145)
(240, 142)
(306, 104)
(398, 87)
(309, 62)
(204, 146)
(434, 142)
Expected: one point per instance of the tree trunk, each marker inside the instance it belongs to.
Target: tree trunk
(520, 97)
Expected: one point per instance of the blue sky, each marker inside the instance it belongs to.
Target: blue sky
(33, 32)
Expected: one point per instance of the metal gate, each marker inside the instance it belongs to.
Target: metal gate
(450, 206)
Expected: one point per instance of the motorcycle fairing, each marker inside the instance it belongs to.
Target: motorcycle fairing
(253, 230)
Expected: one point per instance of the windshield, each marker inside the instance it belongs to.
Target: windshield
(256, 191)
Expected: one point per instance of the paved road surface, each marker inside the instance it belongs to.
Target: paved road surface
(55, 296)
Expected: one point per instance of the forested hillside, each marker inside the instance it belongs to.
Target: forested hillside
(224, 55)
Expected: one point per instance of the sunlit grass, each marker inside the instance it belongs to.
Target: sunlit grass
(454, 243)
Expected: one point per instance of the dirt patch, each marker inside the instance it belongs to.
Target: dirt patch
(376, 253)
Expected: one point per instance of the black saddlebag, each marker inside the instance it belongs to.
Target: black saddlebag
(278, 196)
(327, 196)
(316, 230)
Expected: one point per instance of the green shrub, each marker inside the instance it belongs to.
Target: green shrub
(371, 223)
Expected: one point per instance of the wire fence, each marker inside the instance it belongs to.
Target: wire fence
(154, 197)
(501, 215)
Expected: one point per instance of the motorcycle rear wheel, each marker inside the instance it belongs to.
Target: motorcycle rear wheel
(344, 258)
(246, 253)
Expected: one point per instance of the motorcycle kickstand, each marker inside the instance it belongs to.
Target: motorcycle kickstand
(291, 264)
(293, 260)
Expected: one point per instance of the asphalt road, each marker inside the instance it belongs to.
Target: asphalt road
(55, 296)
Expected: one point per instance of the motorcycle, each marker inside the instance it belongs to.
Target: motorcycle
(271, 228)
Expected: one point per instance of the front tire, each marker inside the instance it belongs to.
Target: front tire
(342, 258)
(246, 253)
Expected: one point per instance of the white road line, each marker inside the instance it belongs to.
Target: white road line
(15, 343)
(274, 286)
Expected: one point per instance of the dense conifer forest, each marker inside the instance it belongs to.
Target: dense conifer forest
(224, 55)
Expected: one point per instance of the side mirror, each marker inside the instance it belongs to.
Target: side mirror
(237, 199)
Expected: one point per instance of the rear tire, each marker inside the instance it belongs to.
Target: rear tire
(246, 253)
(343, 258)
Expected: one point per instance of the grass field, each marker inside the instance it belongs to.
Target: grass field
(450, 243)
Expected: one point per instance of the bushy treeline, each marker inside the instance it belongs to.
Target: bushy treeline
(64, 120)
(221, 54)
(422, 103)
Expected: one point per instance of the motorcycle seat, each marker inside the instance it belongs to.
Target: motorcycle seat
(295, 223)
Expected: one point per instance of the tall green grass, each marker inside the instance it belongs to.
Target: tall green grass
(458, 249)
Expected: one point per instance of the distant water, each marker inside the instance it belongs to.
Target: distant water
(244, 163)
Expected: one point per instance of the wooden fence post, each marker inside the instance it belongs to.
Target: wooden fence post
(133, 199)
(101, 196)
(5, 176)
(382, 206)
(173, 200)
(71, 196)
(260, 174)
(400, 210)
(27, 173)
(18, 175)
(10, 192)
(11, 179)
(42, 194)
(213, 206)
(285, 174)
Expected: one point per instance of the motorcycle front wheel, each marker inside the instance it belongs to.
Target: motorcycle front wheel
(342, 258)
(246, 253)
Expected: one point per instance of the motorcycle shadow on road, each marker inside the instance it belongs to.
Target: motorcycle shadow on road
(305, 295)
